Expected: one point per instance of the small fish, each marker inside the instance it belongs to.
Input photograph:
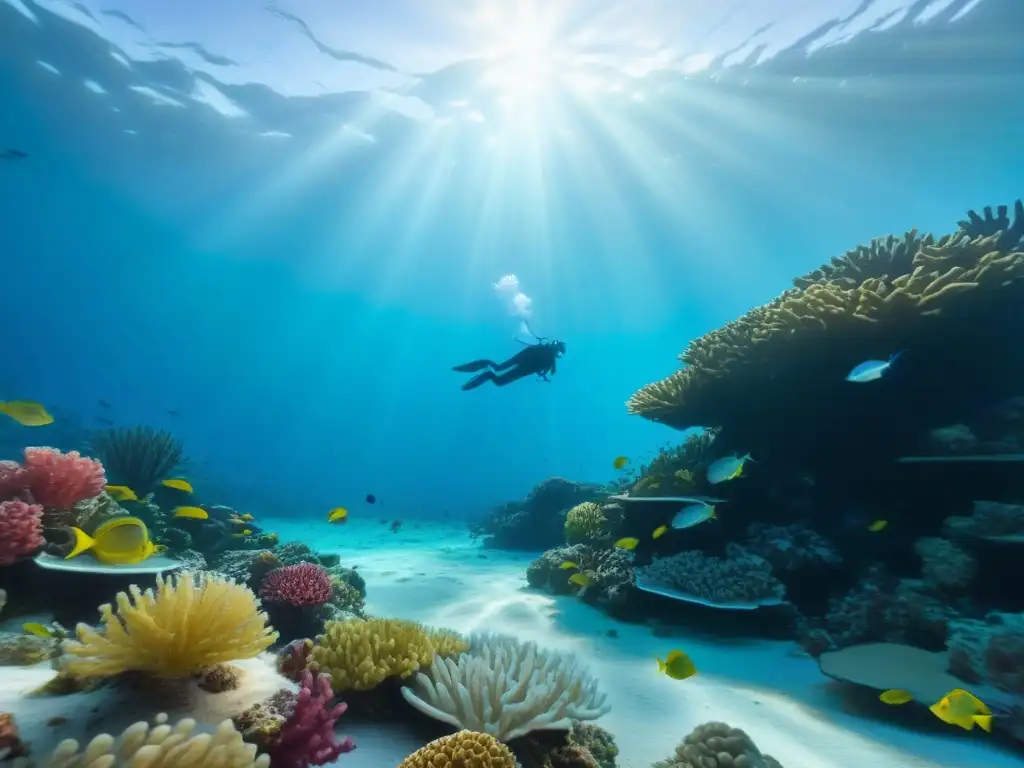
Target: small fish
(958, 707)
(871, 370)
(878, 525)
(27, 412)
(684, 476)
(727, 468)
(693, 514)
(192, 513)
(121, 492)
(620, 462)
(568, 565)
(895, 696)
(627, 543)
(103, 420)
(242, 534)
(178, 484)
(37, 629)
(659, 531)
(247, 518)
(119, 541)
(337, 515)
(395, 525)
(13, 154)
(103, 403)
(371, 499)
(171, 413)
(677, 665)
(580, 579)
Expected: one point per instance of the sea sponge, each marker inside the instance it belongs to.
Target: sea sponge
(359, 655)
(161, 746)
(507, 689)
(465, 749)
(21, 530)
(191, 622)
(740, 580)
(717, 745)
(585, 522)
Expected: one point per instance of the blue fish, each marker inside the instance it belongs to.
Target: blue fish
(727, 468)
(870, 370)
(694, 514)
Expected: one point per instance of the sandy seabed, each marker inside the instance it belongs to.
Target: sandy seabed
(436, 574)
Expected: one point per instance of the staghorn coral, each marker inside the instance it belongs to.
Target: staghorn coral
(507, 689)
(610, 572)
(303, 584)
(139, 457)
(160, 746)
(846, 301)
(61, 480)
(465, 749)
(307, 737)
(359, 655)
(717, 745)
(585, 522)
(740, 580)
(21, 530)
(944, 565)
(191, 622)
(1010, 234)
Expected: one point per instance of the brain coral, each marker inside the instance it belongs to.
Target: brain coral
(465, 749)
(585, 522)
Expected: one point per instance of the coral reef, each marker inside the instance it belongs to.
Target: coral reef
(739, 580)
(610, 572)
(677, 469)
(220, 619)
(21, 530)
(507, 689)
(790, 547)
(989, 651)
(307, 737)
(585, 523)
(161, 746)
(465, 749)
(303, 584)
(944, 565)
(538, 521)
(717, 745)
(56, 480)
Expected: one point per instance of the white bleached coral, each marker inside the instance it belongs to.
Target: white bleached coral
(507, 689)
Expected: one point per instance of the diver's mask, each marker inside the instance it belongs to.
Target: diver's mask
(559, 347)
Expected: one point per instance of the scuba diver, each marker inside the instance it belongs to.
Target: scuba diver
(537, 358)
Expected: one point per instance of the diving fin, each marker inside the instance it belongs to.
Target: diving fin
(476, 365)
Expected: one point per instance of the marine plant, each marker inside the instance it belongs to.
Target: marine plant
(190, 622)
(465, 749)
(585, 522)
(507, 689)
(138, 457)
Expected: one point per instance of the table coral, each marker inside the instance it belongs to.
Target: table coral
(738, 580)
(21, 530)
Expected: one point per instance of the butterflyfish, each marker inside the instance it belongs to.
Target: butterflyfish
(677, 665)
(192, 513)
(178, 484)
(659, 531)
(727, 468)
(628, 543)
(871, 370)
(121, 492)
(620, 462)
(963, 709)
(119, 541)
(895, 696)
(693, 514)
(337, 515)
(26, 412)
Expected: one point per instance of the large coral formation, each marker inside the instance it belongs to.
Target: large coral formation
(585, 522)
(465, 749)
(989, 651)
(160, 746)
(536, 522)
(21, 530)
(359, 655)
(610, 572)
(507, 689)
(717, 745)
(191, 622)
(740, 580)
(944, 565)
(677, 470)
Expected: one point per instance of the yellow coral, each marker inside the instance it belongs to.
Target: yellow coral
(585, 522)
(465, 749)
(189, 623)
(161, 746)
(359, 655)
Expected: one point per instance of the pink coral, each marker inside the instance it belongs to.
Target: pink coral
(21, 530)
(61, 480)
(13, 479)
(298, 585)
(307, 737)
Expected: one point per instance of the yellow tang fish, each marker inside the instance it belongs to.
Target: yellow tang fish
(119, 541)
(677, 665)
(580, 579)
(194, 513)
(337, 515)
(628, 543)
(958, 707)
(26, 412)
(878, 525)
(620, 462)
(659, 531)
(121, 492)
(37, 629)
(178, 484)
(569, 565)
(895, 696)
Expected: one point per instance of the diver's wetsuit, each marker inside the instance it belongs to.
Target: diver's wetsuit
(538, 358)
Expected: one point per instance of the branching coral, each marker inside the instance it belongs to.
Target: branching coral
(740, 580)
(507, 689)
(191, 622)
(139, 457)
(465, 749)
(585, 522)
(297, 585)
(360, 655)
(161, 746)
(676, 470)
(61, 480)
(717, 745)
(307, 736)
(21, 531)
